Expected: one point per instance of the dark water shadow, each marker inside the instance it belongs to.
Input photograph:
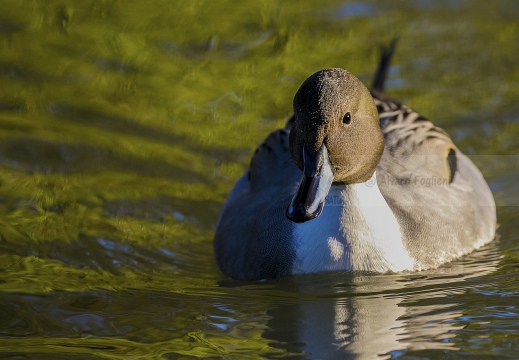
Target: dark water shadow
(199, 213)
(45, 156)
(121, 125)
(116, 124)
(8, 27)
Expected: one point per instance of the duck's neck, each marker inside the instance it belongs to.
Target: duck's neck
(356, 231)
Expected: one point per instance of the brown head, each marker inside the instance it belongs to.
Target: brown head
(335, 137)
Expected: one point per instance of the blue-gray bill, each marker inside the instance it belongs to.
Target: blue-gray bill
(308, 203)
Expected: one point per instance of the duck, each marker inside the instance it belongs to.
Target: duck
(355, 181)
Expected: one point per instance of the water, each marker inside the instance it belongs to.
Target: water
(124, 125)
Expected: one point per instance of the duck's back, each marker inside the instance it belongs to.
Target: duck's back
(443, 205)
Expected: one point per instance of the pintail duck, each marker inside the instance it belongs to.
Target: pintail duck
(355, 181)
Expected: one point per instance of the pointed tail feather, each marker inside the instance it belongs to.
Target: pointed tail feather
(379, 81)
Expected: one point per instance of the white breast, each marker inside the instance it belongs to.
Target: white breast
(356, 231)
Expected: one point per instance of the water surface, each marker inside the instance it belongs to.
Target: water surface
(124, 125)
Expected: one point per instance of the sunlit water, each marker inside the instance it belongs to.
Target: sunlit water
(124, 125)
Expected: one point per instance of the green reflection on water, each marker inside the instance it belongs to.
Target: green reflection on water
(124, 124)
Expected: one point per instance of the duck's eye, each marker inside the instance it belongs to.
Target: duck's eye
(347, 118)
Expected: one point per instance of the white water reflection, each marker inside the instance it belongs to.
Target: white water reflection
(376, 316)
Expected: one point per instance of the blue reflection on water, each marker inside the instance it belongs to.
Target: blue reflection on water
(355, 9)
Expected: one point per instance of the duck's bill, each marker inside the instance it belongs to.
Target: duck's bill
(308, 203)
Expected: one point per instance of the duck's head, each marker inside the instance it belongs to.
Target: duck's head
(336, 137)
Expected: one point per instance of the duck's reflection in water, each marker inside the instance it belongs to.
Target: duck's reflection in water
(349, 316)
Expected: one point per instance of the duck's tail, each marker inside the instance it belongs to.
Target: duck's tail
(379, 81)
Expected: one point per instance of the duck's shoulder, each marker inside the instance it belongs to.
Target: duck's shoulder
(414, 142)
(407, 130)
(271, 160)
